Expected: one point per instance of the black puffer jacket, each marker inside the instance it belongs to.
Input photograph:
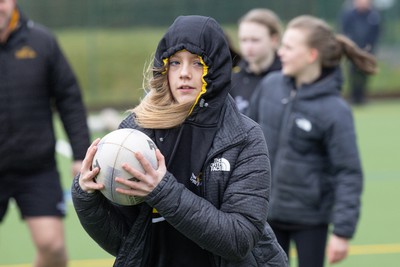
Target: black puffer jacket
(228, 218)
(244, 82)
(316, 171)
(35, 78)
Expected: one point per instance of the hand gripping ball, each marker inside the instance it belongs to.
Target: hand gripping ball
(113, 150)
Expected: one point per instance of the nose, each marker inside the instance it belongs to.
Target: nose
(185, 72)
(247, 47)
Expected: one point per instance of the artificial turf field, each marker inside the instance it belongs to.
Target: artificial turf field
(377, 241)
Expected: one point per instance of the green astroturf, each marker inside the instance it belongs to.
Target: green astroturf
(377, 241)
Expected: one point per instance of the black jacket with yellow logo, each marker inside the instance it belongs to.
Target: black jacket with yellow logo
(35, 78)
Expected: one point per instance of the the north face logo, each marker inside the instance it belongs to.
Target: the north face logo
(304, 124)
(220, 164)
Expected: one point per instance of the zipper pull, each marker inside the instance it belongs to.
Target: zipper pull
(293, 93)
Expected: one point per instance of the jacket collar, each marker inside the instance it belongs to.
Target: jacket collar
(329, 84)
(231, 131)
(17, 26)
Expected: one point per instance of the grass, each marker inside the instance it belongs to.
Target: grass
(110, 63)
(377, 242)
(377, 127)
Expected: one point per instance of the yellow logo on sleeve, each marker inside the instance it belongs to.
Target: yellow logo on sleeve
(25, 52)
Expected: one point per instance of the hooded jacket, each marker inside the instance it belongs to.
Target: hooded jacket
(316, 170)
(228, 219)
(244, 82)
(35, 78)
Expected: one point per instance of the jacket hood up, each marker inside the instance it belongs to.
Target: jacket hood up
(204, 37)
(210, 44)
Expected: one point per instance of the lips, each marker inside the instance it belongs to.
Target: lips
(185, 87)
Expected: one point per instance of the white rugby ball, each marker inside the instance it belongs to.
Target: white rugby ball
(113, 150)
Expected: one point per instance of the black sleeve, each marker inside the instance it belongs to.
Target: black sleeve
(68, 100)
(105, 223)
(346, 166)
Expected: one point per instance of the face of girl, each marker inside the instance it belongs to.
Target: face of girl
(294, 52)
(185, 71)
(255, 41)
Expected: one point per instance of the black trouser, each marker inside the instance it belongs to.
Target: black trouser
(358, 85)
(310, 244)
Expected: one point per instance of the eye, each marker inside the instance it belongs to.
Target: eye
(173, 62)
(198, 64)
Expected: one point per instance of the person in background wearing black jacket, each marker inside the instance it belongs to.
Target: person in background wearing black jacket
(362, 24)
(35, 78)
(259, 36)
(206, 205)
(316, 171)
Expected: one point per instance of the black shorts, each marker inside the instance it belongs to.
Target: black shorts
(38, 194)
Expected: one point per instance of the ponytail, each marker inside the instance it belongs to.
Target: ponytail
(362, 59)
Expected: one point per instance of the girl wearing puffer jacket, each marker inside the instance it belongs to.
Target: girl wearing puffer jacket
(316, 170)
(206, 204)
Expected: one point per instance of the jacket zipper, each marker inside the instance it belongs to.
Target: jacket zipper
(203, 187)
(285, 122)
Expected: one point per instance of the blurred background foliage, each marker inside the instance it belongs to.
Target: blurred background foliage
(110, 42)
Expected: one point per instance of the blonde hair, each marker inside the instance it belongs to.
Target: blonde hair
(159, 109)
(264, 17)
(333, 46)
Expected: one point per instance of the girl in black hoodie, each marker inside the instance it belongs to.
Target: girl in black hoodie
(206, 204)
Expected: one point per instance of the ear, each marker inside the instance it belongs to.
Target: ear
(313, 55)
(275, 41)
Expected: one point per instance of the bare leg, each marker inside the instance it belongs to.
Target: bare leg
(48, 237)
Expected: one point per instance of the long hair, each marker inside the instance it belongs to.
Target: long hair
(158, 109)
(333, 46)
